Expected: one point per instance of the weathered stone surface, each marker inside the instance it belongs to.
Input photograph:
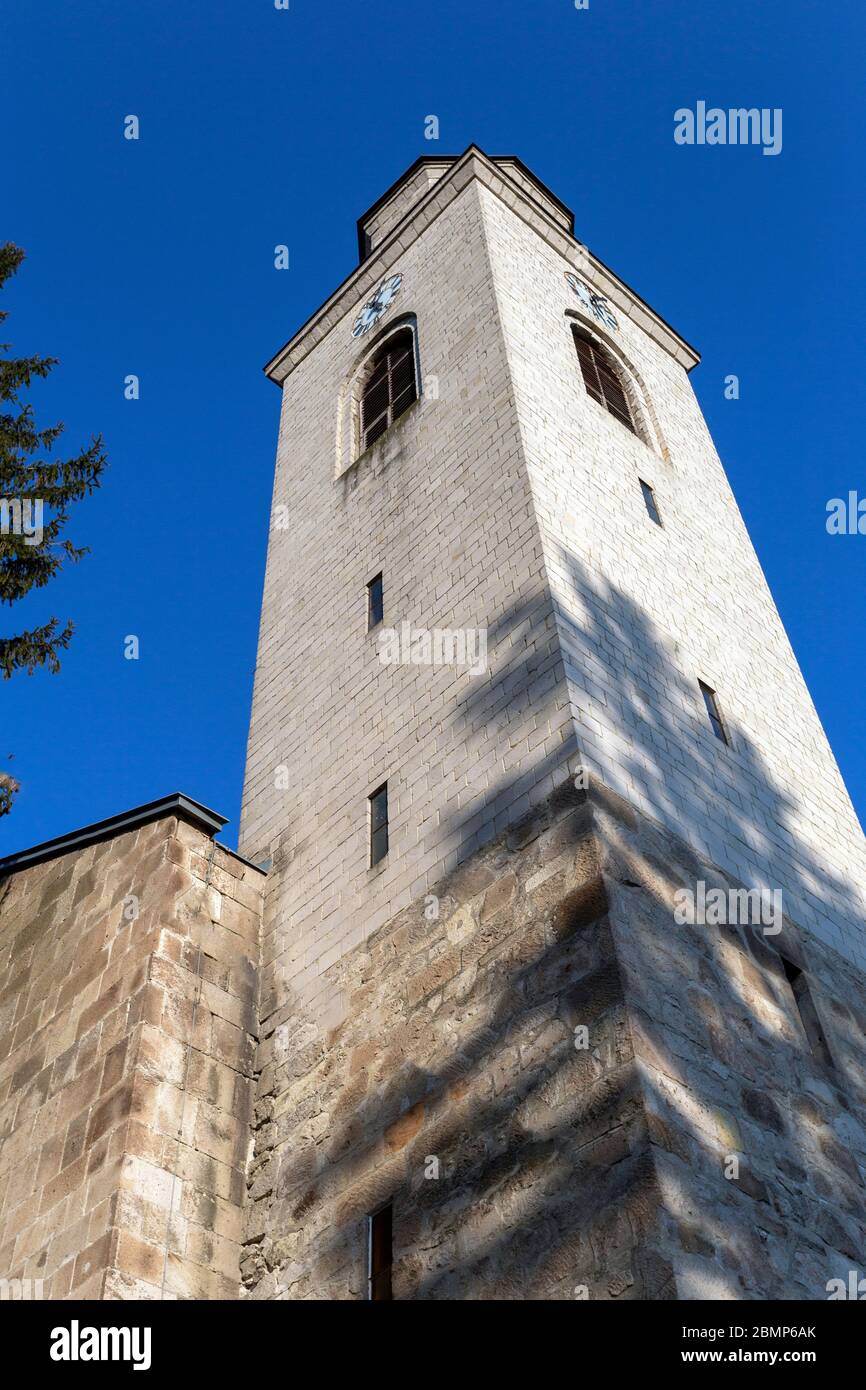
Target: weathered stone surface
(125, 1099)
(692, 1148)
(558, 1086)
(507, 1141)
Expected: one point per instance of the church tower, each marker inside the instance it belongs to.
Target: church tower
(562, 971)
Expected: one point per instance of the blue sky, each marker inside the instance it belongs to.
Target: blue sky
(261, 126)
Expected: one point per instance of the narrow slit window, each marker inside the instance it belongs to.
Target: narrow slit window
(378, 824)
(808, 1013)
(714, 712)
(649, 498)
(380, 1257)
(375, 603)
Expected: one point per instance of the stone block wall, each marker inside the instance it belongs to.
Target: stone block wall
(508, 499)
(379, 224)
(522, 1165)
(728, 1071)
(645, 612)
(690, 1143)
(127, 1017)
(441, 505)
(519, 1164)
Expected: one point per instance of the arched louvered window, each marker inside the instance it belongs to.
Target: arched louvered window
(390, 387)
(601, 380)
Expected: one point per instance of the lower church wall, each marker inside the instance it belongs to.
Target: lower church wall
(127, 1015)
(524, 1165)
(730, 1072)
(519, 1164)
(564, 1092)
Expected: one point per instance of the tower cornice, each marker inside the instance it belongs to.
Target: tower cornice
(492, 173)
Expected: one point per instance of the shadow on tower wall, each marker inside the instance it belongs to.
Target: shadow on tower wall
(693, 1148)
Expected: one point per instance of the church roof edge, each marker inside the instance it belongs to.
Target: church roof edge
(177, 804)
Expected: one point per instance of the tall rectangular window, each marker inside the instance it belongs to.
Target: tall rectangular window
(375, 603)
(380, 1227)
(378, 802)
(808, 1013)
(649, 498)
(714, 712)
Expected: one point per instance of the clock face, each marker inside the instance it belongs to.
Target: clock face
(596, 303)
(375, 307)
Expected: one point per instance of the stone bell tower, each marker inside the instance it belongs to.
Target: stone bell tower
(522, 696)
